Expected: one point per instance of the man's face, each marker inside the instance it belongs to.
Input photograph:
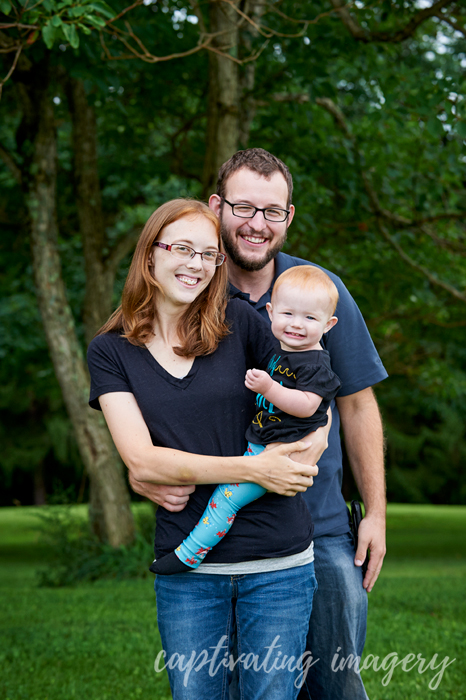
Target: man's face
(252, 243)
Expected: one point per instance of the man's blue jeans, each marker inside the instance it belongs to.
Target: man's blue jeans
(196, 612)
(337, 630)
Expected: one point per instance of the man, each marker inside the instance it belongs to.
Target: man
(253, 235)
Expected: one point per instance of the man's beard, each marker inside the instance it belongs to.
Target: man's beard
(244, 263)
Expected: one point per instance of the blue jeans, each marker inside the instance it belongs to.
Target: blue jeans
(196, 612)
(337, 630)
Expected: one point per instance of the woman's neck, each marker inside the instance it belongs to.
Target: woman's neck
(166, 323)
(166, 331)
(162, 344)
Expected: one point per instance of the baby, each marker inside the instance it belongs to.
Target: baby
(292, 400)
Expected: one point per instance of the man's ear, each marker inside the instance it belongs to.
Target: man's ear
(268, 306)
(215, 204)
(290, 215)
(330, 323)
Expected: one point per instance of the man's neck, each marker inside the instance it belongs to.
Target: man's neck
(253, 282)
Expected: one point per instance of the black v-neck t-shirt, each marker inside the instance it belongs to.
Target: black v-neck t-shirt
(206, 412)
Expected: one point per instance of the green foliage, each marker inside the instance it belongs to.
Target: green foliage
(403, 104)
(76, 555)
(58, 20)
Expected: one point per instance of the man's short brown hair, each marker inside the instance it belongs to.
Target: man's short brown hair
(259, 161)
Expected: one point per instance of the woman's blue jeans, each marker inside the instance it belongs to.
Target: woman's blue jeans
(196, 613)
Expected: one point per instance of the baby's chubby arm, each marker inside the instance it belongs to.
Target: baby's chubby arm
(301, 404)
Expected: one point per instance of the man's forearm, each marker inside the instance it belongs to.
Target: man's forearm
(362, 428)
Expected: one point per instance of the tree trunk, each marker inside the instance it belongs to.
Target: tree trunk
(247, 103)
(223, 113)
(40, 494)
(94, 442)
(100, 277)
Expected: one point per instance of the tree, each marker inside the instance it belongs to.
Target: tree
(363, 102)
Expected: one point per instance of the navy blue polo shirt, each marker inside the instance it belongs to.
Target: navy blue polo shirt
(356, 362)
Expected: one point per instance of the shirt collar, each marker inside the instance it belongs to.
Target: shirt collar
(235, 293)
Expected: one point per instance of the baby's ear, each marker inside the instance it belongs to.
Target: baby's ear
(330, 323)
(268, 306)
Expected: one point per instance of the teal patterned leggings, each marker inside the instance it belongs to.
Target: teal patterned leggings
(218, 517)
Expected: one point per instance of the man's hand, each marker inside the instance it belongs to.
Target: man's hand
(173, 498)
(362, 427)
(257, 380)
(371, 535)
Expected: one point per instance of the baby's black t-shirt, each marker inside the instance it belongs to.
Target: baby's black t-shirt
(307, 371)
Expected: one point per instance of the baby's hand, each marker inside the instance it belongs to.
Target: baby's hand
(258, 381)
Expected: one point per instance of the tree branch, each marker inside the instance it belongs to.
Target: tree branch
(396, 36)
(379, 211)
(8, 75)
(123, 12)
(454, 246)
(336, 113)
(457, 27)
(146, 55)
(431, 219)
(121, 248)
(8, 159)
(420, 268)
(281, 14)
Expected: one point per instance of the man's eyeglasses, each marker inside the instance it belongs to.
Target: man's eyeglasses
(184, 252)
(247, 211)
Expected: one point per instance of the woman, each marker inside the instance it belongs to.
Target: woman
(168, 373)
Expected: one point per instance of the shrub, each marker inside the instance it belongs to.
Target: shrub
(76, 555)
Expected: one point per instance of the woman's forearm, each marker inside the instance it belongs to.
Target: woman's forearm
(161, 465)
(274, 471)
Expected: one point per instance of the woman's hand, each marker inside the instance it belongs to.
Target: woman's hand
(317, 444)
(276, 471)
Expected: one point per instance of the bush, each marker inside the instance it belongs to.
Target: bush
(76, 555)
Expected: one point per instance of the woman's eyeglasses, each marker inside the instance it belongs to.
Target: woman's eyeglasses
(184, 252)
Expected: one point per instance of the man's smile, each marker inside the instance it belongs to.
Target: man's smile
(253, 238)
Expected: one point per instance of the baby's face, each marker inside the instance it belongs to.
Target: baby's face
(300, 318)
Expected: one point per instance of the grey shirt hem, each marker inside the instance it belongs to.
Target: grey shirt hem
(258, 566)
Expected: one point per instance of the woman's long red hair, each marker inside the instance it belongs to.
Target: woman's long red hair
(203, 324)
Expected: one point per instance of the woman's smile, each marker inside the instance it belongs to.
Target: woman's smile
(189, 281)
(183, 280)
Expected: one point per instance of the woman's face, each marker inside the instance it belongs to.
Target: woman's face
(183, 280)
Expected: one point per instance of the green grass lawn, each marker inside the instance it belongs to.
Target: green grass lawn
(418, 605)
(97, 641)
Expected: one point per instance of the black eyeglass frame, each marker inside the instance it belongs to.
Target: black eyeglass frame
(220, 256)
(256, 209)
